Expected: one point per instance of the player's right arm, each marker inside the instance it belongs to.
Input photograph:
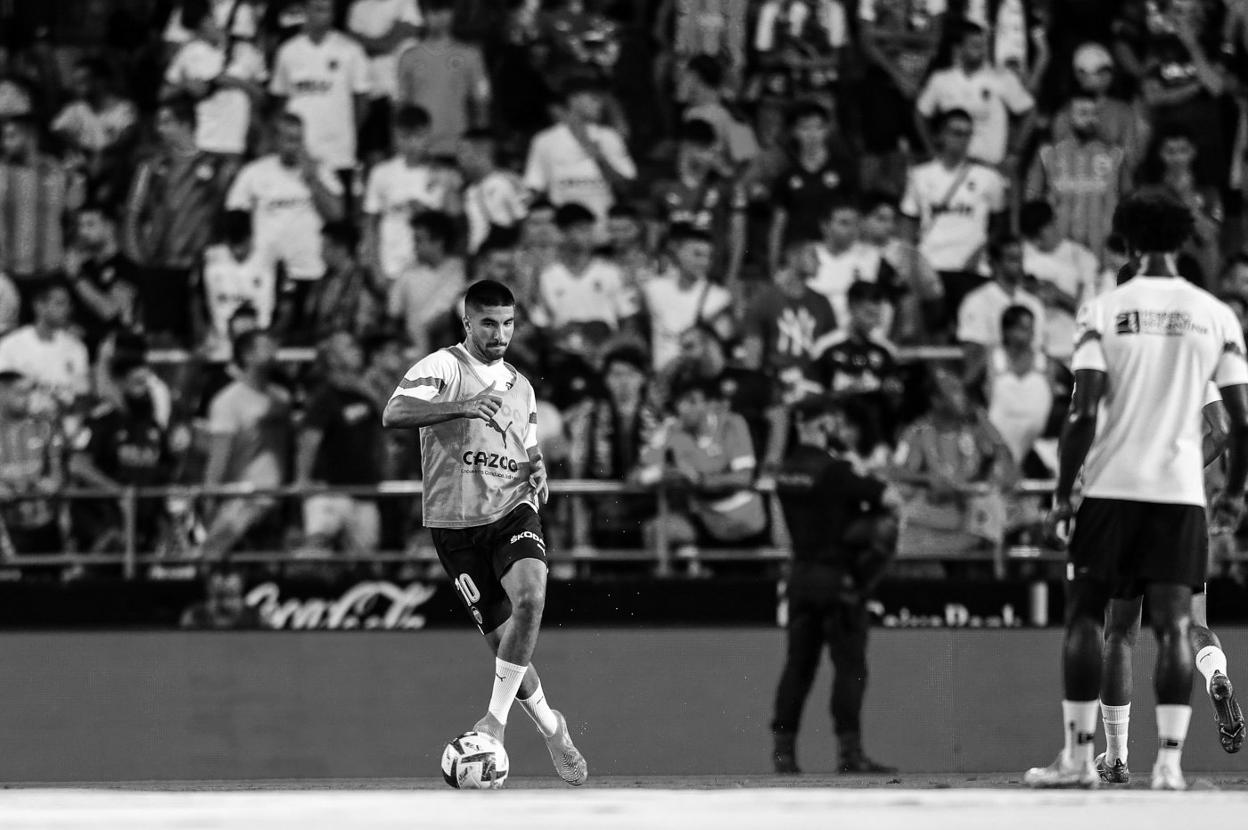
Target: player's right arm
(419, 399)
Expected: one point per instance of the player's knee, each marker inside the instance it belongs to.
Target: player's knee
(529, 600)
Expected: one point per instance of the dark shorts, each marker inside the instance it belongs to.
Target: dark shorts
(476, 558)
(1127, 545)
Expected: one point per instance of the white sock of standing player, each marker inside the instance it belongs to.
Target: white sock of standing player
(1117, 720)
(1172, 722)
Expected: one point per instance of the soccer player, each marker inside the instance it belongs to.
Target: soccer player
(1145, 352)
(1122, 627)
(484, 478)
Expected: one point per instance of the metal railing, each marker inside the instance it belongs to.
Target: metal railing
(131, 559)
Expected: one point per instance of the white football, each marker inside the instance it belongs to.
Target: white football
(474, 761)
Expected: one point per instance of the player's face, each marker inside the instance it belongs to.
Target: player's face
(811, 131)
(1177, 153)
(956, 136)
(491, 328)
(841, 229)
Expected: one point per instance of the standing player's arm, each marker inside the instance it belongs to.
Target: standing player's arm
(1079, 430)
(1235, 398)
(1217, 431)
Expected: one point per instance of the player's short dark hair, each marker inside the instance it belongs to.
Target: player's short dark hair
(1153, 220)
(181, 107)
(1034, 217)
(234, 227)
(488, 294)
(411, 119)
(706, 69)
(1013, 316)
(873, 200)
(342, 233)
(996, 248)
(942, 118)
(244, 345)
(437, 224)
(573, 214)
(699, 133)
(807, 108)
(683, 232)
(862, 291)
(965, 29)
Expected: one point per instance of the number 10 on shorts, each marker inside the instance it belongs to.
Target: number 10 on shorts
(470, 594)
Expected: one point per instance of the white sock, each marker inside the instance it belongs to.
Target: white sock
(1172, 721)
(541, 713)
(1209, 661)
(1079, 718)
(507, 677)
(1117, 720)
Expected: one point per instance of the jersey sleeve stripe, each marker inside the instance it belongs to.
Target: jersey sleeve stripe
(436, 383)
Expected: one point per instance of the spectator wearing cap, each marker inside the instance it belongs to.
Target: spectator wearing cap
(493, 197)
(46, 352)
(1081, 175)
(171, 211)
(579, 160)
(349, 297)
(445, 76)
(433, 285)
(1118, 123)
(290, 197)
(735, 144)
(40, 194)
(703, 198)
(234, 273)
(707, 452)
(991, 95)
(858, 363)
(684, 296)
(322, 75)
(608, 432)
(581, 294)
(104, 281)
(384, 28)
(122, 444)
(31, 471)
(1064, 274)
(224, 75)
(397, 190)
(340, 444)
(821, 171)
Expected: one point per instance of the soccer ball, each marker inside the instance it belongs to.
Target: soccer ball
(474, 761)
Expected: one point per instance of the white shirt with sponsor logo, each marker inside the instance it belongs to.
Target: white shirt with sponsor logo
(395, 190)
(374, 19)
(285, 223)
(979, 316)
(498, 199)
(1161, 341)
(320, 82)
(597, 294)
(837, 272)
(990, 95)
(1073, 269)
(953, 207)
(674, 309)
(59, 367)
(222, 118)
(562, 169)
(230, 284)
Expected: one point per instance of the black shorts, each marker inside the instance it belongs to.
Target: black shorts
(1129, 544)
(476, 558)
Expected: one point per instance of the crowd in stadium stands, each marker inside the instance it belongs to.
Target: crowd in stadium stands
(707, 209)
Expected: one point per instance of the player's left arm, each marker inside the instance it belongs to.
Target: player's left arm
(1217, 431)
(1079, 430)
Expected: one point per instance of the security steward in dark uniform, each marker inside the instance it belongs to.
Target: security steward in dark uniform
(844, 531)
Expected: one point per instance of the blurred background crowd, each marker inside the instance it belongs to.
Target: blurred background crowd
(227, 227)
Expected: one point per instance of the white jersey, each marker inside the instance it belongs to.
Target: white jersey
(953, 207)
(320, 82)
(1161, 341)
(989, 95)
(395, 191)
(230, 284)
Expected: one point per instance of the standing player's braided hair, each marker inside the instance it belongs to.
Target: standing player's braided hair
(1153, 220)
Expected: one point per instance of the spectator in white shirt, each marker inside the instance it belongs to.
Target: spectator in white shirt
(322, 75)
(845, 259)
(990, 94)
(384, 28)
(289, 197)
(234, 273)
(494, 198)
(430, 288)
(979, 317)
(237, 17)
(397, 190)
(578, 160)
(1061, 272)
(685, 297)
(99, 123)
(223, 76)
(46, 353)
(581, 291)
(952, 205)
